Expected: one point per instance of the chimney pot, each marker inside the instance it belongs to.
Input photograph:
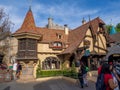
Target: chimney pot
(65, 25)
(66, 29)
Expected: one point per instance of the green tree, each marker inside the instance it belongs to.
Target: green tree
(118, 27)
(108, 27)
(5, 26)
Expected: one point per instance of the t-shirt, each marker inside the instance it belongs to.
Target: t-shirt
(106, 79)
(15, 66)
(19, 67)
(83, 69)
(10, 67)
(99, 70)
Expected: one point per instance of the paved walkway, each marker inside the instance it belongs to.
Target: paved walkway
(52, 84)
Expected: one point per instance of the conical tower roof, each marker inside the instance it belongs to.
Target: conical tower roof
(113, 30)
(29, 23)
(28, 26)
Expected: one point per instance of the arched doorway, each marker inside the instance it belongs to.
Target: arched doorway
(1, 58)
(51, 63)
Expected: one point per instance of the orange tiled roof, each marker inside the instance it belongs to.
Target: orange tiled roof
(29, 21)
(74, 38)
(50, 35)
(28, 25)
(77, 35)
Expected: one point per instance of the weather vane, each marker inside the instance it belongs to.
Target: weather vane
(111, 22)
(89, 17)
(30, 3)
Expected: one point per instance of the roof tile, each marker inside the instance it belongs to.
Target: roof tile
(77, 35)
(28, 25)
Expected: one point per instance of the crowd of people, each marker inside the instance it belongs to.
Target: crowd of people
(3, 66)
(17, 69)
(111, 75)
(110, 72)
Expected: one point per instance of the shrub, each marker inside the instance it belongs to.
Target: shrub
(46, 73)
(71, 72)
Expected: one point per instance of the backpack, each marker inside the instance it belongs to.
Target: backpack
(87, 69)
(100, 85)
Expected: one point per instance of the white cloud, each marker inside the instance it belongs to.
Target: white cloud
(63, 13)
(61, 10)
(67, 14)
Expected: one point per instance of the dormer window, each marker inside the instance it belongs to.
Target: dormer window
(59, 36)
(57, 44)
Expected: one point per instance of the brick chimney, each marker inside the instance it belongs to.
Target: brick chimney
(66, 29)
(50, 22)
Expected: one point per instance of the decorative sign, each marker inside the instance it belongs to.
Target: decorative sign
(86, 42)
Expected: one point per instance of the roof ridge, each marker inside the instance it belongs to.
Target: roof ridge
(87, 23)
(48, 28)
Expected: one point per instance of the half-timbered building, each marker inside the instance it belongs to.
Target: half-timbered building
(52, 47)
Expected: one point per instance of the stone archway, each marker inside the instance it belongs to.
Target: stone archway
(51, 63)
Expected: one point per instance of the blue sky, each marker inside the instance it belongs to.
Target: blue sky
(69, 12)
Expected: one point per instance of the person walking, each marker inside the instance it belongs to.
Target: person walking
(19, 70)
(84, 72)
(80, 77)
(114, 75)
(117, 71)
(14, 70)
(108, 78)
